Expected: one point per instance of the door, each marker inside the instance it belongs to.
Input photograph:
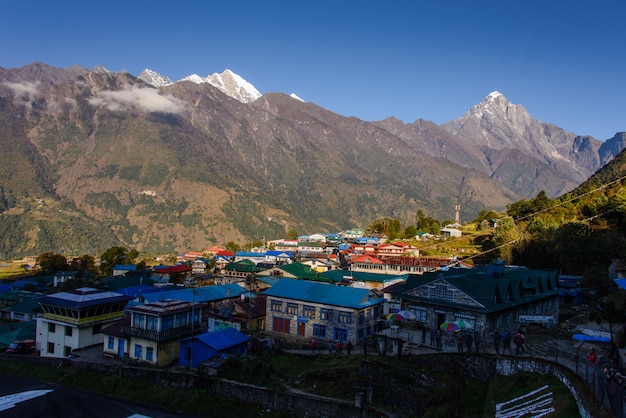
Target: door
(120, 348)
(301, 329)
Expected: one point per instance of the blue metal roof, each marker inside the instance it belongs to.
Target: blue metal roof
(222, 339)
(326, 294)
(198, 294)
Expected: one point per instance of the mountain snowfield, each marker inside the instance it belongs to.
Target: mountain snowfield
(231, 84)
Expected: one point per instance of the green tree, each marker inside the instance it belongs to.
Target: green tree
(410, 231)
(292, 234)
(50, 263)
(111, 258)
(384, 225)
(427, 223)
(232, 246)
(504, 237)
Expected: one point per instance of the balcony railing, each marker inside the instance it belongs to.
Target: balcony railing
(166, 335)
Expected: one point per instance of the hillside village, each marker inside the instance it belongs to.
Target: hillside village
(323, 293)
(325, 288)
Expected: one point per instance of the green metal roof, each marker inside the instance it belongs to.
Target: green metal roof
(515, 286)
(301, 271)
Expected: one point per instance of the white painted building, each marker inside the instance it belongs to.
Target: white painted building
(73, 320)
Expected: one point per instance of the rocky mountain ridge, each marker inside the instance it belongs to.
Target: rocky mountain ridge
(96, 158)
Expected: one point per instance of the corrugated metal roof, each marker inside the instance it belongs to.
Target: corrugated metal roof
(325, 294)
(222, 339)
(198, 294)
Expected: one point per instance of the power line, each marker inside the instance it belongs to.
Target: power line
(538, 213)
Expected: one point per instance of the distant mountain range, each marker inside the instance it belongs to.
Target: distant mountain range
(93, 158)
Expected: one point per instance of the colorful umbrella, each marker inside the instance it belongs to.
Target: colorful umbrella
(395, 316)
(407, 315)
(449, 327)
(463, 324)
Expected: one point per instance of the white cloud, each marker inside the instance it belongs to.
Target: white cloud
(23, 91)
(142, 99)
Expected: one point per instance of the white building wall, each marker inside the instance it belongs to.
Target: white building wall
(80, 338)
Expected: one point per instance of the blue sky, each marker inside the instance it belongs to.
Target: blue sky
(564, 61)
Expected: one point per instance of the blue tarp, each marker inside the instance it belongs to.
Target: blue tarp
(583, 337)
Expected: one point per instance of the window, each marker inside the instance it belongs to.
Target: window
(441, 291)
(421, 314)
(319, 331)
(345, 317)
(361, 333)
(149, 354)
(308, 311)
(276, 306)
(138, 320)
(341, 334)
(292, 309)
(151, 323)
(281, 325)
(181, 320)
(167, 322)
(51, 348)
(361, 317)
(111, 343)
(326, 314)
(52, 327)
(138, 350)
(68, 331)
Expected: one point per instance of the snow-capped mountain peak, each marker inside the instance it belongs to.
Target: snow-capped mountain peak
(295, 96)
(494, 95)
(234, 86)
(230, 84)
(154, 79)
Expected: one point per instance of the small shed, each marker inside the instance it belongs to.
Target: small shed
(194, 350)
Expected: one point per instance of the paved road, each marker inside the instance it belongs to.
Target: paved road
(70, 403)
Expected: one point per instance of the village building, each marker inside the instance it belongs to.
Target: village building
(365, 280)
(309, 310)
(221, 343)
(74, 319)
(485, 298)
(154, 331)
(238, 271)
(171, 274)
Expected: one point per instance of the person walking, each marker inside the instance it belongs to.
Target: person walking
(432, 336)
(438, 340)
(506, 342)
(477, 339)
(518, 340)
(349, 347)
(592, 357)
(469, 341)
(496, 340)
(459, 342)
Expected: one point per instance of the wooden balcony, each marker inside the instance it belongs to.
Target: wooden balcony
(167, 335)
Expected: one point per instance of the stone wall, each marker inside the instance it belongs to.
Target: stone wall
(420, 389)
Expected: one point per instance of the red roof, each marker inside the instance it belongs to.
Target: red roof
(181, 268)
(366, 259)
